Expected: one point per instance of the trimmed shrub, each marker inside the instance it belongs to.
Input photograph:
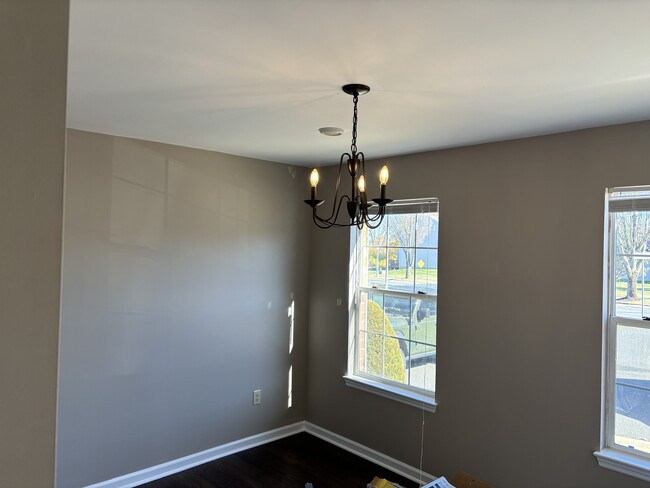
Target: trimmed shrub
(393, 362)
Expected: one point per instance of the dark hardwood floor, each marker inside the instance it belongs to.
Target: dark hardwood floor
(286, 463)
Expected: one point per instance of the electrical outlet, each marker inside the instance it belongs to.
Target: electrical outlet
(257, 397)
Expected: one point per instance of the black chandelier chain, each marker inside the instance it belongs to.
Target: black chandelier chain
(355, 118)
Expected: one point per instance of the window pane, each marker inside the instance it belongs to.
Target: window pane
(397, 315)
(401, 230)
(632, 295)
(370, 353)
(402, 277)
(377, 266)
(422, 370)
(381, 356)
(423, 323)
(394, 367)
(631, 264)
(426, 230)
(632, 423)
(426, 271)
(371, 313)
(378, 236)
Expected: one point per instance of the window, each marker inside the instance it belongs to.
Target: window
(394, 287)
(625, 437)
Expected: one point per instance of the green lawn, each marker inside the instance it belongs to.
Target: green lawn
(429, 275)
(621, 291)
(398, 274)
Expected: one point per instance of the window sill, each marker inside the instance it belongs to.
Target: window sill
(623, 462)
(397, 394)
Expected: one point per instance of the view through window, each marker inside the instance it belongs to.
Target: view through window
(627, 407)
(396, 298)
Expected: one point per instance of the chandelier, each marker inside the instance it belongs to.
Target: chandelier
(358, 207)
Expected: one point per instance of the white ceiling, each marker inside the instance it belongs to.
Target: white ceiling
(259, 77)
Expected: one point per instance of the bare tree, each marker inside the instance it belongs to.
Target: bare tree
(401, 228)
(380, 256)
(632, 234)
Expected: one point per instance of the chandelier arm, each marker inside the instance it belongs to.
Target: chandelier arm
(338, 179)
(317, 222)
(336, 193)
(330, 225)
(338, 209)
(379, 218)
(332, 220)
(322, 223)
(370, 226)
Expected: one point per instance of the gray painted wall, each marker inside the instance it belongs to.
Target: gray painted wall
(520, 297)
(33, 54)
(179, 269)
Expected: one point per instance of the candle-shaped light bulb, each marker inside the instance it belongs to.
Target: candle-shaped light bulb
(383, 175)
(383, 179)
(313, 181)
(362, 184)
(313, 178)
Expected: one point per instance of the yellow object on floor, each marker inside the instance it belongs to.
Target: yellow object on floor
(381, 483)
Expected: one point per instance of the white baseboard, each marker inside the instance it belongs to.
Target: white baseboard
(376, 457)
(161, 470)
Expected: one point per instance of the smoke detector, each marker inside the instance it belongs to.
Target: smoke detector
(331, 131)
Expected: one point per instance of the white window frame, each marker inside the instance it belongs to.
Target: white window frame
(611, 455)
(410, 395)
